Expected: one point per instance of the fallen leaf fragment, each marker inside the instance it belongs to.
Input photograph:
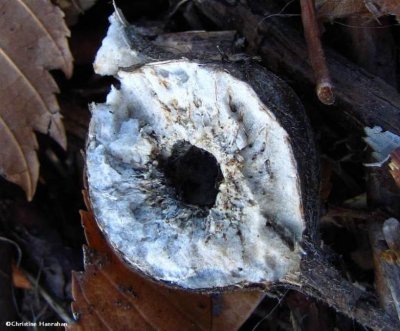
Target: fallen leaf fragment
(32, 41)
(383, 7)
(332, 9)
(109, 296)
(19, 278)
(394, 165)
(368, 9)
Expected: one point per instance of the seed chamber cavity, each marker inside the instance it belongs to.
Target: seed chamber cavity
(194, 173)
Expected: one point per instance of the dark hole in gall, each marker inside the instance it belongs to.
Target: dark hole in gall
(194, 173)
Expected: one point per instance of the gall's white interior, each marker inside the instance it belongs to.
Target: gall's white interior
(251, 233)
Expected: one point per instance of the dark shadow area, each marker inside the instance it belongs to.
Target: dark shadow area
(194, 173)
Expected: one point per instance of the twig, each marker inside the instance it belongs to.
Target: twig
(16, 247)
(358, 214)
(59, 309)
(324, 86)
(279, 14)
(361, 98)
(176, 8)
(271, 312)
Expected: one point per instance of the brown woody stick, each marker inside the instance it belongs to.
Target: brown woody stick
(324, 86)
(361, 98)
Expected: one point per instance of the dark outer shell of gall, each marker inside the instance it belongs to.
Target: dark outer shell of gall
(286, 106)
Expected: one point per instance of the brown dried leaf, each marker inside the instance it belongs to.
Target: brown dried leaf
(368, 9)
(19, 279)
(236, 307)
(109, 296)
(332, 9)
(394, 165)
(32, 41)
(383, 7)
